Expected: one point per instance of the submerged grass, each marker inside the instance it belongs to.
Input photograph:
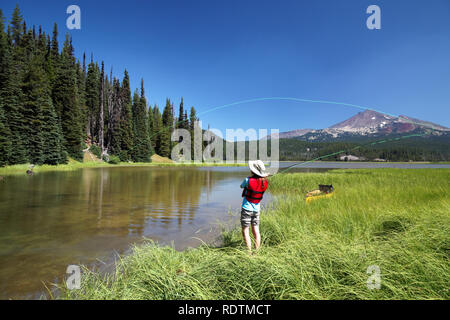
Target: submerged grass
(396, 219)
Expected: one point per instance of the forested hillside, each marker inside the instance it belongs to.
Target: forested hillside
(53, 106)
(390, 148)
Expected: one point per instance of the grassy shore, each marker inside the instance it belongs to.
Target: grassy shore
(21, 169)
(396, 219)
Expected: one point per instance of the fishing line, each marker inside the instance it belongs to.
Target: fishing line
(295, 100)
(290, 99)
(311, 101)
(278, 98)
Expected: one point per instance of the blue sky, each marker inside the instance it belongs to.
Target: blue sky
(219, 52)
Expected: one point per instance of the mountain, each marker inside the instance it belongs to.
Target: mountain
(364, 122)
(294, 133)
(368, 123)
(424, 123)
(368, 135)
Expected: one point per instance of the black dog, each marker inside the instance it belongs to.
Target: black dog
(326, 188)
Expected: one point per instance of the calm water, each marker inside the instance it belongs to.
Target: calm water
(54, 219)
(51, 220)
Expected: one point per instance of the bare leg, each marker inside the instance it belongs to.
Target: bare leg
(246, 235)
(257, 236)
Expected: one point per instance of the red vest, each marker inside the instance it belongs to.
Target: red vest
(255, 190)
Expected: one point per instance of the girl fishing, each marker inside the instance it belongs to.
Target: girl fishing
(254, 188)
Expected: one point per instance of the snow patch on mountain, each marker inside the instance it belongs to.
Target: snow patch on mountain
(368, 122)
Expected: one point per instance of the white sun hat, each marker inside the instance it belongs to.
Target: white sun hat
(258, 168)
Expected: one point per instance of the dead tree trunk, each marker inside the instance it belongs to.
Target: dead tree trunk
(101, 124)
(110, 111)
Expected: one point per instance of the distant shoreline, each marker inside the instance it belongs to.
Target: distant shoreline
(19, 169)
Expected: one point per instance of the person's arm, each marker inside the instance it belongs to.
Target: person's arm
(244, 183)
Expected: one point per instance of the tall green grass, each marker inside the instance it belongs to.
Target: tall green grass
(396, 219)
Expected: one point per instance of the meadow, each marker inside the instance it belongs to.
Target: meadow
(395, 219)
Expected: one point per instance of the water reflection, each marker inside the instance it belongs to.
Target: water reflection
(54, 219)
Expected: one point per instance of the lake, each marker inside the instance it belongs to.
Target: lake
(90, 216)
(53, 219)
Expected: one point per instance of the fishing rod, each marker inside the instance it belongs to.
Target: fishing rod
(327, 190)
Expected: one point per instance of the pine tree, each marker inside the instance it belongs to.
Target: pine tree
(48, 64)
(167, 129)
(135, 115)
(5, 143)
(11, 98)
(66, 101)
(52, 136)
(192, 119)
(114, 133)
(32, 89)
(53, 62)
(55, 45)
(151, 130)
(31, 83)
(41, 46)
(181, 121)
(16, 26)
(108, 111)
(11, 93)
(27, 48)
(167, 115)
(142, 149)
(4, 53)
(81, 89)
(192, 123)
(101, 122)
(50, 133)
(92, 99)
(157, 127)
(126, 121)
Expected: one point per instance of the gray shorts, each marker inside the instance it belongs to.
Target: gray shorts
(249, 217)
